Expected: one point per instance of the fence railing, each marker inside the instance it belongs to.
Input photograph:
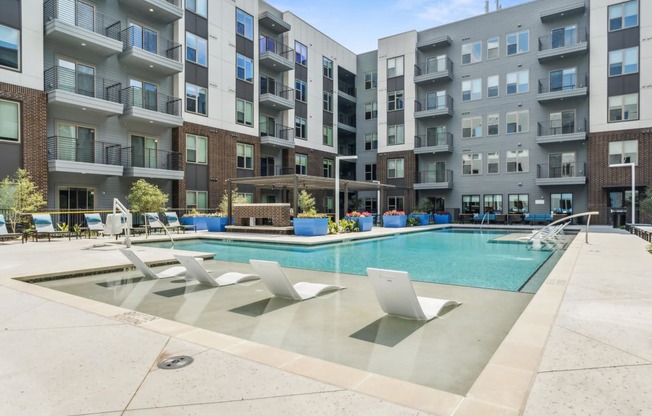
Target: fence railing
(346, 88)
(268, 44)
(433, 65)
(563, 83)
(84, 150)
(268, 86)
(82, 15)
(140, 157)
(547, 128)
(151, 100)
(434, 176)
(437, 139)
(278, 131)
(563, 170)
(434, 103)
(348, 119)
(563, 38)
(150, 41)
(60, 78)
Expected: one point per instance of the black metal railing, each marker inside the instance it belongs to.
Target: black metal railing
(268, 44)
(346, 88)
(60, 78)
(434, 176)
(140, 157)
(175, 2)
(151, 100)
(83, 150)
(347, 119)
(278, 131)
(269, 86)
(442, 138)
(433, 66)
(150, 41)
(434, 103)
(276, 170)
(563, 83)
(561, 39)
(547, 128)
(82, 15)
(563, 170)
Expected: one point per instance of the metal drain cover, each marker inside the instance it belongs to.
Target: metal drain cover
(173, 363)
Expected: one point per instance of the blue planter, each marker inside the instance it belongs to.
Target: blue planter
(424, 219)
(216, 224)
(364, 223)
(442, 218)
(394, 221)
(309, 227)
(199, 222)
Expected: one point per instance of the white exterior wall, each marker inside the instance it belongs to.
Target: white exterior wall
(31, 48)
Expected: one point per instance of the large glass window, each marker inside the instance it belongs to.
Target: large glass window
(370, 80)
(518, 82)
(394, 100)
(518, 42)
(300, 90)
(493, 162)
(327, 133)
(197, 200)
(301, 164)
(395, 168)
(625, 151)
(561, 165)
(519, 203)
(245, 24)
(470, 204)
(623, 61)
(395, 203)
(370, 172)
(472, 164)
(493, 203)
(472, 89)
(196, 99)
(518, 121)
(471, 53)
(196, 49)
(623, 107)
(562, 122)
(328, 67)
(395, 134)
(245, 68)
(9, 120)
(561, 203)
(300, 129)
(518, 161)
(563, 79)
(199, 7)
(196, 149)
(9, 47)
(471, 127)
(493, 47)
(370, 111)
(244, 112)
(300, 53)
(245, 157)
(435, 100)
(395, 67)
(371, 141)
(623, 15)
(563, 36)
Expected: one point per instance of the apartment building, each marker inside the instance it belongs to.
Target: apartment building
(621, 121)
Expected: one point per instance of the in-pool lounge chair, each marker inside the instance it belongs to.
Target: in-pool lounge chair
(94, 224)
(144, 268)
(4, 234)
(43, 227)
(278, 283)
(396, 296)
(174, 224)
(195, 270)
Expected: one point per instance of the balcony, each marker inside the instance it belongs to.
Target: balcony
(434, 179)
(434, 107)
(276, 170)
(140, 162)
(566, 174)
(75, 25)
(276, 96)
(149, 53)
(273, 23)
(563, 45)
(274, 55)
(73, 90)
(571, 132)
(570, 8)
(277, 135)
(433, 70)
(426, 45)
(85, 156)
(441, 142)
(151, 107)
(562, 88)
(347, 122)
(164, 11)
(346, 91)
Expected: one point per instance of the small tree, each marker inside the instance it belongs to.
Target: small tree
(236, 198)
(146, 197)
(306, 202)
(19, 195)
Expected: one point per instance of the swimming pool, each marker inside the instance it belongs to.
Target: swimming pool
(466, 258)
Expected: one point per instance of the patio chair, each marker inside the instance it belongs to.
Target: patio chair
(94, 224)
(278, 283)
(44, 227)
(4, 234)
(174, 224)
(153, 222)
(396, 296)
(195, 270)
(144, 268)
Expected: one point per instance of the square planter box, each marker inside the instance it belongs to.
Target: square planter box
(216, 224)
(424, 219)
(442, 218)
(394, 221)
(198, 222)
(309, 227)
(364, 223)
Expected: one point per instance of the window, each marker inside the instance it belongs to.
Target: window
(300, 130)
(196, 48)
(435, 100)
(518, 82)
(472, 90)
(245, 24)
(493, 48)
(328, 67)
(561, 165)
(249, 198)
(330, 203)
(493, 162)
(518, 161)
(623, 152)
(623, 61)
(144, 152)
(300, 90)
(394, 100)
(301, 164)
(199, 7)
(370, 204)
(245, 68)
(493, 86)
(564, 36)
(370, 172)
(142, 37)
(493, 203)
(518, 202)
(244, 112)
(562, 122)
(395, 168)
(9, 120)
(623, 15)
(197, 200)
(196, 99)
(436, 64)
(370, 80)
(623, 107)
(300, 53)
(328, 101)
(370, 111)
(471, 53)
(436, 136)
(470, 204)
(327, 133)
(395, 67)
(471, 127)
(518, 42)
(561, 203)
(518, 121)
(493, 120)
(472, 164)
(328, 168)
(245, 156)
(395, 203)
(196, 149)
(563, 79)
(371, 141)
(395, 134)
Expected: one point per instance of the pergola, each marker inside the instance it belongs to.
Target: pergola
(296, 182)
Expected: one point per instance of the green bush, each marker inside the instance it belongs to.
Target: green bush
(146, 197)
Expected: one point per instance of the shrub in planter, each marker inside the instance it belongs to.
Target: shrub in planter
(423, 218)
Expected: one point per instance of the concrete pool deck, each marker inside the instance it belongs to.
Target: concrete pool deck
(582, 346)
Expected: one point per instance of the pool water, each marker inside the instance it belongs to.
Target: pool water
(466, 258)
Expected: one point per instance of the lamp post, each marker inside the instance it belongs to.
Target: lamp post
(633, 165)
(337, 184)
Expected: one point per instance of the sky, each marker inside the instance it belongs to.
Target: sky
(358, 24)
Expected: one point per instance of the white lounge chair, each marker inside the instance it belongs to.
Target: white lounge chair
(195, 270)
(173, 223)
(144, 268)
(396, 296)
(278, 283)
(4, 234)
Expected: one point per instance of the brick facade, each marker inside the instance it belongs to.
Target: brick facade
(405, 185)
(279, 214)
